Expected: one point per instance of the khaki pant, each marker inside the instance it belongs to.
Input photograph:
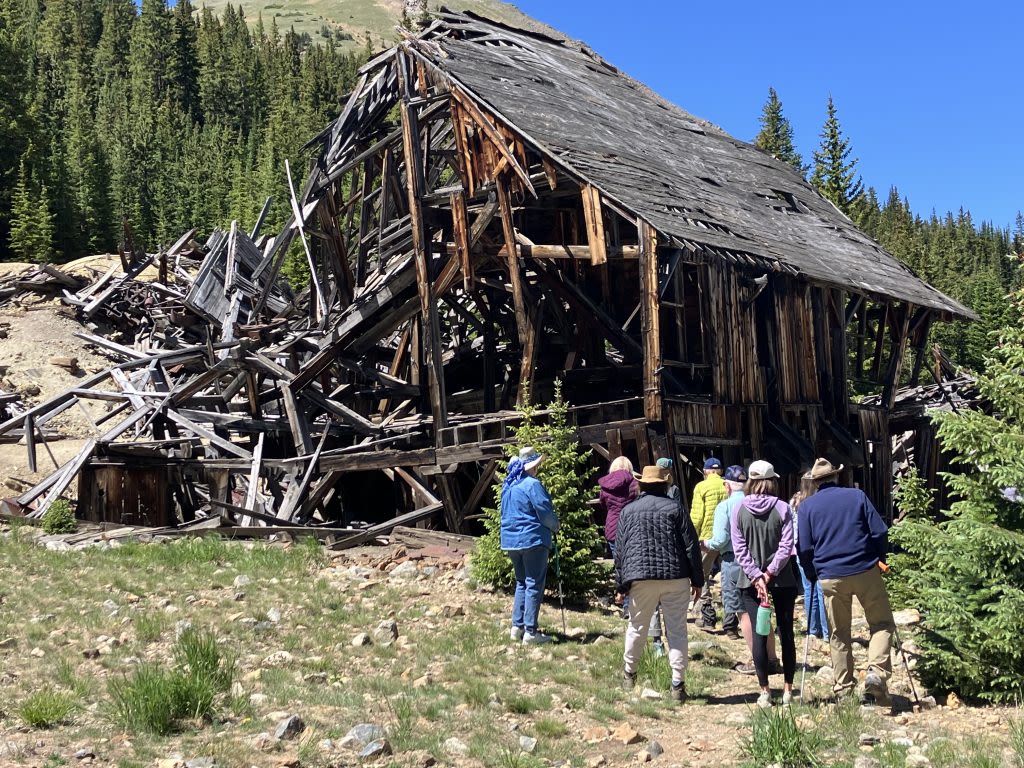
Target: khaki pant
(869, 589)
(644, 596)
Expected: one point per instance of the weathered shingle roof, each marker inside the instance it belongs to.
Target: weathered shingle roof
(686, 177)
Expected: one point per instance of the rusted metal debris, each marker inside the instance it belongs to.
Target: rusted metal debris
(493, 210)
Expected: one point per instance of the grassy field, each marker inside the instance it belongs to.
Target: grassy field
(200, 648)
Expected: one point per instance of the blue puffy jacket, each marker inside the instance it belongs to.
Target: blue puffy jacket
(527, 516)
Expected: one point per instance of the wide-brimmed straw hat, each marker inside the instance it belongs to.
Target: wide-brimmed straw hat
(654, 475)
(822, 469)
(530, 457)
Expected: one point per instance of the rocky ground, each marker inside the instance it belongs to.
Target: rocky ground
(383, 657)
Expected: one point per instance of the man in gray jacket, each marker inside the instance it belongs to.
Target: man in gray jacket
(657, 560)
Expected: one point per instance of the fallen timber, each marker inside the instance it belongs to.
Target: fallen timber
(493, 211)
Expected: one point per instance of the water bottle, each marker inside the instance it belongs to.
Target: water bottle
(763, 626)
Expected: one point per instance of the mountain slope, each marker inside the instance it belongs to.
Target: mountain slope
(349, 22)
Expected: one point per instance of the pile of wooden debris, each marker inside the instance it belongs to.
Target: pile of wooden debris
(203, 420)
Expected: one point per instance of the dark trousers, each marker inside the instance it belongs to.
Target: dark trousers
(784, 605)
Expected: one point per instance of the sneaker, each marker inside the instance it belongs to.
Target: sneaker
(764, 701)
(787, 698)
(745, 669)
(516, 634)
(628, 680)
(659, 649)
(678, 692)
(875, 691)
(535, 638)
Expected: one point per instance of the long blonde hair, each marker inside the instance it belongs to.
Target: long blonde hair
(621, 463)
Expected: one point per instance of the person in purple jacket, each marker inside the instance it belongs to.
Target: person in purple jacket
(842, 539)
(618, 488)
(763, 542)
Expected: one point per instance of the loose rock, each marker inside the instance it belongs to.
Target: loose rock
(650, 694)
(361, 639)
(527, 744)
(386, 632)
(289, 728)
(455, 746)
(362, 734)
(626, 734)
(376, 749)
(655, 748)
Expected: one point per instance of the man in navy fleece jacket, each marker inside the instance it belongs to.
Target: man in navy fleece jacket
(841, 538)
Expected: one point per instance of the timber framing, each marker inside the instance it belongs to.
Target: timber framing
(492, 211)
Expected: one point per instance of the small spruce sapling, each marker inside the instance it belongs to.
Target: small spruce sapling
(568, 478)
(59, 518)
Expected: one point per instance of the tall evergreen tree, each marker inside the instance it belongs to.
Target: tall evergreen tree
(835, 174)
(31, 236)
(776, 136)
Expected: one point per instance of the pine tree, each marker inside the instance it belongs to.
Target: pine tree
(965, 571)
(568, 479)
(31, 235)
(776, 136)
(835, 174)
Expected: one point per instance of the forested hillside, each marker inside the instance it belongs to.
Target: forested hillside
(164, 117)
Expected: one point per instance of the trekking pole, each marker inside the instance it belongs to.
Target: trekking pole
(561, 596)
(807, 648)
(884, 568)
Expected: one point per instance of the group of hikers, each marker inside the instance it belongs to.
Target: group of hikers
(828, 541)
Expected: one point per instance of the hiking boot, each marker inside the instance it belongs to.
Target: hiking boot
(535, 638)
(745, 669)
(733, 633)
(678, 692)
(628, 680)
(875, 691)
(764, 701)
(775, 667)
(516, 634)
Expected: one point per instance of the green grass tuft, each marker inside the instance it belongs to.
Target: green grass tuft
(1017, 742)
(155, 698)
(46, 708)
(775, 737)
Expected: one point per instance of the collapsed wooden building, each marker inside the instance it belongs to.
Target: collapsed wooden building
(495, 210)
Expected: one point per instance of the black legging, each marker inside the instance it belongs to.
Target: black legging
(784, 604)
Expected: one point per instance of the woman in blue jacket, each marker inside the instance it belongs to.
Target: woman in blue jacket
(527, 523)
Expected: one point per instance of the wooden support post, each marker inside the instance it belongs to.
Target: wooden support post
(365, 210)
(920, 343)
(899, 348)
(650, 324)
(526, 366)
(876, 363)
(460, 229)
(643, 445)
(428, 307)
(515, 277)
(595, 224)
(614, 440)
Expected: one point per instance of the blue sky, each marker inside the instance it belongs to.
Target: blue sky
(930, 94)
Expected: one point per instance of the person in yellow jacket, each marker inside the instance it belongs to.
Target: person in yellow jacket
(706, 496)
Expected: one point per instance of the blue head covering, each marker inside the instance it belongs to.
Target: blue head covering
(513, 474)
